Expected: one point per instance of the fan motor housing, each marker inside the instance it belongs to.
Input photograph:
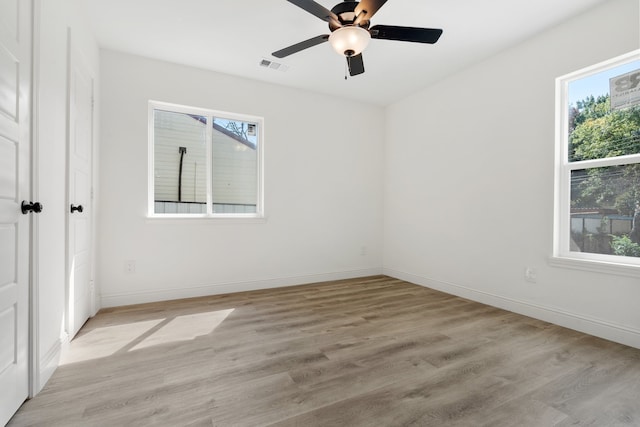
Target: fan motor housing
(346, 15)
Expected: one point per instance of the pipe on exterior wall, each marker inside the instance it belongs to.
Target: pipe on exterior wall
(182, 151)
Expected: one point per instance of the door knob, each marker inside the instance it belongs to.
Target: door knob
(27, 207)
(78, 208)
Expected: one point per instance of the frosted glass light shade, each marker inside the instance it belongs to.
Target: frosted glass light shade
(350, 40)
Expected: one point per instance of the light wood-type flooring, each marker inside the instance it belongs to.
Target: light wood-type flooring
(374, 351)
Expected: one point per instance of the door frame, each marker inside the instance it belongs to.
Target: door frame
(34, 290)
(75, 57)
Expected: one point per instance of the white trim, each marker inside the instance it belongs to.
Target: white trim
(560, 221)
(562, 254)
(209, 166)
(35, 371)
(602, 163)
(48, 364)
(596, 266)
(609, 63)
(128, 298)
(198, 219)
(77, 60)
(151, 160)
(590, 325)
(64, 346)
(207, 112)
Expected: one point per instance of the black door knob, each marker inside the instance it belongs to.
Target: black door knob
(78, 208)
(27, 207)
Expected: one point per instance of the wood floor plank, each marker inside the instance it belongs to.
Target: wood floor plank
(358, 352)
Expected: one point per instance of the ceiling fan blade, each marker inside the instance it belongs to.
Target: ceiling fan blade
(316, 9)
(405, 34)
(295, 48)
(356, 65)
(366, 9)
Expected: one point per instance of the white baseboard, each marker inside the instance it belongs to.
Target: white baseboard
(589, 325)
(48, 363)
(128, 298)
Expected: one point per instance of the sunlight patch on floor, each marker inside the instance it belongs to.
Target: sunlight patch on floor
(185, 328)
(108, 340)
(105, 341)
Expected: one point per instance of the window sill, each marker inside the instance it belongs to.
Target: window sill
(206, 219)
(602, 267)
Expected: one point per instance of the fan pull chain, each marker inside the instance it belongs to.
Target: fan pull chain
(345, 70)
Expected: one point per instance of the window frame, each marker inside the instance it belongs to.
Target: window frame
(210, 114)
(562, 254)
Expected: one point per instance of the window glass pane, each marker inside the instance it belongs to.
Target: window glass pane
(235, 166)
(180, 168)
(605, 215)
(596, 130)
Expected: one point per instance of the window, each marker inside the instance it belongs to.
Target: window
(204, 163)
(598, 163)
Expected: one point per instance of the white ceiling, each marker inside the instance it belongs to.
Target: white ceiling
(232, 36)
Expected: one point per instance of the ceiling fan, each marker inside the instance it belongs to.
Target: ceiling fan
(350, 32)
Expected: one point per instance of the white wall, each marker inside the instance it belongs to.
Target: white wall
(469, 187)
(323, 189)
(54, 19)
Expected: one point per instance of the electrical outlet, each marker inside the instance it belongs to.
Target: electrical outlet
(530, 275)
(130, 266)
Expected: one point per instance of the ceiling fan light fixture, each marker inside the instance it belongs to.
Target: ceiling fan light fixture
(349, 40)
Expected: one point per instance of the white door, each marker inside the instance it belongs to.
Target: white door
(15, 95)
(80, 194)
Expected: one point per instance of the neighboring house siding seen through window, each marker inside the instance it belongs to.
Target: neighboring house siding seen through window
(598, 165)
(204, 163)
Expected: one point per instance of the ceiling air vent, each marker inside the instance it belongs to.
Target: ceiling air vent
(273, 65)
